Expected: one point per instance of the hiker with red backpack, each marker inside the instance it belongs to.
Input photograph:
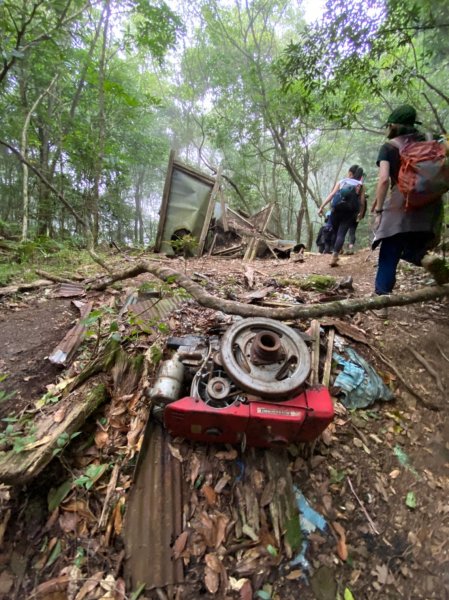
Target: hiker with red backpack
(413, 175)
(348, 203)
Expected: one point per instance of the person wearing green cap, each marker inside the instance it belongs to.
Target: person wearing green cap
(401, 234)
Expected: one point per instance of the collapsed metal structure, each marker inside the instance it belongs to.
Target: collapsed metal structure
(193, 204)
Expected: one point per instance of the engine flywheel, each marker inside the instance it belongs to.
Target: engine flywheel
(265, 357)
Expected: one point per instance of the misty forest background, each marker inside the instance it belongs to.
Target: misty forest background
(95, 94)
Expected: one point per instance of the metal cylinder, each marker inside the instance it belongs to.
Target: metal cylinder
(266, 348)
(169, 381)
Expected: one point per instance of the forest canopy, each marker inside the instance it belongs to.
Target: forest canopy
(94, 94)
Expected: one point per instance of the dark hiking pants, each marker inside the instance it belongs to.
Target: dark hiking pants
(410, 246)
(341, 222)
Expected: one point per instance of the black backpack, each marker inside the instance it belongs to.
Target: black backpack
(346, 200)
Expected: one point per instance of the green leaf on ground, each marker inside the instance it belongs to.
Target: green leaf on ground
(410, 500)
(57, 495)
(348, 595)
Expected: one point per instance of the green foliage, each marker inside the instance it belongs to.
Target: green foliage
(57, 495)
(336, 476)
(185, 245)
(363, 50)
(63, 441)
(293, 533)
(16, 435)
(91, 475)
(9, 230)
(155, 354)
(319, 283)
(4, 396)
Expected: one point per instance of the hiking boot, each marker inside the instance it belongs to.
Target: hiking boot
(437, 267)
(334, 260)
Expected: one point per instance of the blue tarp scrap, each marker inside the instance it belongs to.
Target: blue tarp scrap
(359, 383)
(309, 521)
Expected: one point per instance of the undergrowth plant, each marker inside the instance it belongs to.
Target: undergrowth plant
(17, 435)
(23, 258)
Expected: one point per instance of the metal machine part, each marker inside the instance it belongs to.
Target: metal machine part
(259, 423)
(169, 381)
(247, 387)
(211, 383)
(265, 357)
(216, 390)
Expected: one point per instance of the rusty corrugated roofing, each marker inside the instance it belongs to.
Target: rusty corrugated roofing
(67, 347)
(70, 290)
(154, 514)
(154, 309)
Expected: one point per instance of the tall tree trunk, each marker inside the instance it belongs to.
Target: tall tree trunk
(44, 213)
(138, 217)
(24, 151)
(98, 167)
(299, 220)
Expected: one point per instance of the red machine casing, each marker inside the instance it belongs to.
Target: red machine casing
(264, 424)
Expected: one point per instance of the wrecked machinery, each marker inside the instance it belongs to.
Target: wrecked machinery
(247, 386)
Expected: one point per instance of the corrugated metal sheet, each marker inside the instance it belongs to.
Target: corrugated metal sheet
(154, 514)
(70, 290)
(64, 351)
(154, 309)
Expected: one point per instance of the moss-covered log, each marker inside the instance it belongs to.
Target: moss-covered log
(20, 467)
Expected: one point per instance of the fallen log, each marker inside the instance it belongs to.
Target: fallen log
(66, 418)
(309, 311)
(24, 287)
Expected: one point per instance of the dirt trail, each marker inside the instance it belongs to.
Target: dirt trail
(394, 455)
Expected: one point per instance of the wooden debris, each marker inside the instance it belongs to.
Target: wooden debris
(24, 287)
(52, 277)
(111, 489)
(248, 277)
(427, 403)
(442, 353)
(231, 250)
(315, 362)
(328, 361)
(346, 329)
(362, 506)
(212, 246)
(224, 216)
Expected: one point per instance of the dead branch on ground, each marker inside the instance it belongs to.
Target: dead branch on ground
(428, 367)
(310, 311)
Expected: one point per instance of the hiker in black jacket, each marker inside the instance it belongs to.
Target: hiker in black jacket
(326, 237)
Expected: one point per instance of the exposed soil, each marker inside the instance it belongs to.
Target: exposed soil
(30, 329)
(406, 555)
